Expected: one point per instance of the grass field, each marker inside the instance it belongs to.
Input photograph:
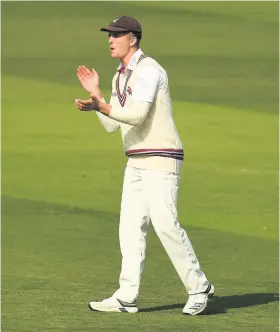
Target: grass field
(62, 173)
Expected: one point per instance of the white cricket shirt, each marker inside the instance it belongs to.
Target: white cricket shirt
(141, 108)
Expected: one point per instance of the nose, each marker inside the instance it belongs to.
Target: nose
(110, 39)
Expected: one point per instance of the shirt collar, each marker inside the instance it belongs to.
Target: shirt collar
(133, 61)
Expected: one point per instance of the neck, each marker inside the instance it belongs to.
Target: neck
(129, 55)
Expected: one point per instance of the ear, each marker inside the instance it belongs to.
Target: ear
(133, 41)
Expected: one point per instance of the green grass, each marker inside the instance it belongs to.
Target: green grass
(62, 173)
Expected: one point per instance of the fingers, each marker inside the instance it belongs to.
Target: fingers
(81, 102)
(85, 105)
(81, 106)
(85, 102)
(83, 71)
(86, 70)
(80, 76)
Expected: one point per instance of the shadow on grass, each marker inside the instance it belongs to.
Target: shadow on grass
(221, 304)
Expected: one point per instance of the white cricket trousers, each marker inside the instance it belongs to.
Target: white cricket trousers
(152, 195)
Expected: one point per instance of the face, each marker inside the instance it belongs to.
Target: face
(120, 44)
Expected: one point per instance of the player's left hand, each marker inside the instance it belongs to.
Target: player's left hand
(88, 78)
(87, 105)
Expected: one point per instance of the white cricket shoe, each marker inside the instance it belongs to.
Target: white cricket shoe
(198, 302)
(113, 305)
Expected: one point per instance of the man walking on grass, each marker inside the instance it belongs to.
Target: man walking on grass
(140, 106)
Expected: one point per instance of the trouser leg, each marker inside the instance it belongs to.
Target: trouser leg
(134, 220)
(161, 189)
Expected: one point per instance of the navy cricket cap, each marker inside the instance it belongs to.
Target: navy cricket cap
(125, 24)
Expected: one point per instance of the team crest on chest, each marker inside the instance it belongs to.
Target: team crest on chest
(129, 91)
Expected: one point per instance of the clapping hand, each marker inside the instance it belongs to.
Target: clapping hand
(88, 105)
(89, 79)
(90, 82)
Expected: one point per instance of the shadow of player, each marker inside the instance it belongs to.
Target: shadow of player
(221, 304)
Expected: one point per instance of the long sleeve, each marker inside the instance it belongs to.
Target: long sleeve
(133, 115)
(109, 124)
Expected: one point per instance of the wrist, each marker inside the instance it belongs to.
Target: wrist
(96, 92)
(104, 108)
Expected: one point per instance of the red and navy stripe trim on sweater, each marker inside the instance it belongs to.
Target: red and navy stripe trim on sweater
(169, 153)
(122, 96)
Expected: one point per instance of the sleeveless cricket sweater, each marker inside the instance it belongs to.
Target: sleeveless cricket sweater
(155, 144)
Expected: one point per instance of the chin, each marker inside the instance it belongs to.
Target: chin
(115, 56)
